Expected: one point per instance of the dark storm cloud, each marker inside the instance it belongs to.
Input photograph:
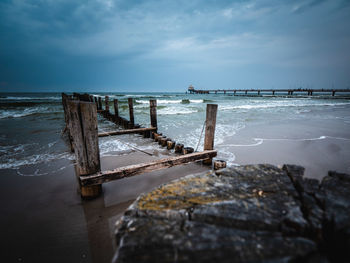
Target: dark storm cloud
(142, 45)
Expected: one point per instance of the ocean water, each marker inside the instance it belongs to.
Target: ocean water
(31, 126)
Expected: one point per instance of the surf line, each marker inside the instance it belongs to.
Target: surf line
(259, 141)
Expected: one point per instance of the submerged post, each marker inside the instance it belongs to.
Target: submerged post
(106, 103)
(83, 118)
(153, 112)
(210, 123)
(131, 112)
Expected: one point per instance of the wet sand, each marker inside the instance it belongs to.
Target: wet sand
(311, 144)
(43, 218)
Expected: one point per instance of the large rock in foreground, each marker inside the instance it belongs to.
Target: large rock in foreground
(250, 213)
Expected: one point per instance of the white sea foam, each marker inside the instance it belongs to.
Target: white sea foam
(21, 113)
(16, 162)
(176, 111)
(31, 98)
(260, 141)
(196, 101)
(107, 145)
(279, 104)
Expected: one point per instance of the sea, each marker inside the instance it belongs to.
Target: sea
(313, 131)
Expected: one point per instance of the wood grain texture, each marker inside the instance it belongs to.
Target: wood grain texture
(131, 170)
(131, 112)
(104, 134)
(153, 112)
(210, 126)
(116, 110)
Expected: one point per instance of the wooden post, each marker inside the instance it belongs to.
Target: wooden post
(83, 117)
(99, 103)
(178, 148)
(116, 111)
(187, 150)
(219, 164)
(210, 123)
(131, 112)
(170, 145)
(160, 138)
(65, 100)
(153, 112)
(106, 103)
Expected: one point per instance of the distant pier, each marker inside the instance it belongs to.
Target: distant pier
(274, 92)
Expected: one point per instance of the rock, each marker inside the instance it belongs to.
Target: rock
(250, 213)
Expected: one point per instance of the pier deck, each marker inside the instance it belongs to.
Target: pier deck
(289, 92)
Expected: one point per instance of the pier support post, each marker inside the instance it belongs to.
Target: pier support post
(131, 112)
(107, 103)
(83, 117)
(210, 123)
(153, 112)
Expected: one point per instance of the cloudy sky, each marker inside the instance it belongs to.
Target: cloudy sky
(149, 45)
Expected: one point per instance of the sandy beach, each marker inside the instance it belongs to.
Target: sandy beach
(43, 218)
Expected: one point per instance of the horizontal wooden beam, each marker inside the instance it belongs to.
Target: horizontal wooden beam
(131, 170)
(120, 132)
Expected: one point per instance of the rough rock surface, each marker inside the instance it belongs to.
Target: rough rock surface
(252, 213)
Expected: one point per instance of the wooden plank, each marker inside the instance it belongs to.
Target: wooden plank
(210, 126)
(131, 112)
(131, 170)
(153, 112)
(104, 134)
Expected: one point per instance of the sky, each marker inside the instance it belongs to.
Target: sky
(166, 45)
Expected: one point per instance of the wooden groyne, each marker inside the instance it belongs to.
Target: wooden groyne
(274, 92)
(80, 111)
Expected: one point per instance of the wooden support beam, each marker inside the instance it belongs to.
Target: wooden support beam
(105, 134)
(131, 170)
(83, 119)
(210, 123)
(131, 112)
(153, 112)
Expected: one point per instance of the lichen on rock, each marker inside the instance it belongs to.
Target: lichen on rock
(251, 213)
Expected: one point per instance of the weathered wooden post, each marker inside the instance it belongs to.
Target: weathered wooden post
(83, 119)
(153, 112)
(116, 111)
(219, 164)
(178, 148)
(131, 112)
(210, 123)
(65, 100)
(187, 150)
(99, 103)
(170, 145)
(107, 103)
(95, 99)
